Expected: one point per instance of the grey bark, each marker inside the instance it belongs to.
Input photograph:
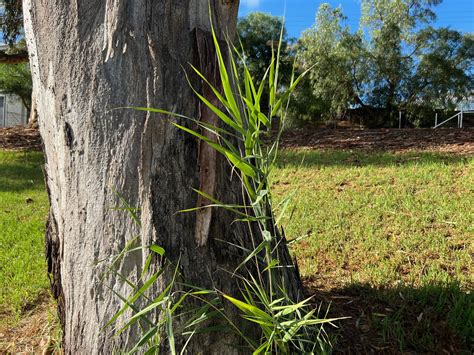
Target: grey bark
(89, 57)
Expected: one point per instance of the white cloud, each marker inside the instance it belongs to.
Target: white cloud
(251, 3)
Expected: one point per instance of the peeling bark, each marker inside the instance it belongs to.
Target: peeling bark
(207, 157)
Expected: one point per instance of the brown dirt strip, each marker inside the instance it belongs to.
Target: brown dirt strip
(19, 138)
(35, 333)
(450, 140)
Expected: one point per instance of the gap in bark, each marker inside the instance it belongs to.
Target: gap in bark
(53, 258)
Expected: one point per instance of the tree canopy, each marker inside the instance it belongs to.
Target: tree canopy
(260, 34)
(395, 61)
(11, 26)
(11, 20)
(16, 79)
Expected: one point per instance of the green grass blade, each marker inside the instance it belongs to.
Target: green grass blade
(225, 80)
(157, 249)
(143, 340)
(254, 253)
(169, 331)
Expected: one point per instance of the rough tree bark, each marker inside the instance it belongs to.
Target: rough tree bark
(89, 57)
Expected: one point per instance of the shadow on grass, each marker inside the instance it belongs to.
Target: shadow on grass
(293, 158)
(430, 319)
(21, 171)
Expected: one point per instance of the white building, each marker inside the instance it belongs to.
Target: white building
(12, 111)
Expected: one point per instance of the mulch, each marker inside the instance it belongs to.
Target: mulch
(35, 333)
(446, 140)
(20, 138)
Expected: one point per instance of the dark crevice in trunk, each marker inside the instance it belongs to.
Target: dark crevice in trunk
(54, 265)
(53, 257)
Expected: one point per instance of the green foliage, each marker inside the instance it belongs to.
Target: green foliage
(286, 327)
(285, 324)
(444, 73)
(259, 34)
(16, 79)
(305, 106)
(11, 20)
(167, 303)
(395, 61)
(338, 58)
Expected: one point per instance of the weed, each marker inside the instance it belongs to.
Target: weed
(285, 323)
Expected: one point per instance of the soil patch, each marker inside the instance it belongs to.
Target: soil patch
(20, 138)
(35, 332)
(447, 140)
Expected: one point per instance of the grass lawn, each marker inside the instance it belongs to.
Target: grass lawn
(389, 242)
(392, 233)
(23, 212)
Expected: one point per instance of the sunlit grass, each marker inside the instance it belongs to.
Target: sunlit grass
(397, 227)
(23, 211)
(389, 228)
(380, 219)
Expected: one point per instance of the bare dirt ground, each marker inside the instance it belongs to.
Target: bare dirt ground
(19, 138)
(35, 333)
(447, 140)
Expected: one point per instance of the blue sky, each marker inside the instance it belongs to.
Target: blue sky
(456, 14)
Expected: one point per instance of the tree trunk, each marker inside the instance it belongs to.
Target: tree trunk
(88, 58)
(33, 113)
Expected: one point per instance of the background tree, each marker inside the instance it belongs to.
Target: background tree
(339, 61)
(444, 74)
(259, 34)
(112, 57)
(11, 25)
(396, 61)
(16, 79)
(11, 20)
(305, 106)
